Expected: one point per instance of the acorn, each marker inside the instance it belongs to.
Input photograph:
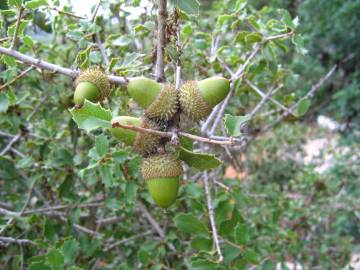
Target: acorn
(159, 100)
(91, 84)
(197, 99)
(162, 174)
(143, 143)
(127, 136)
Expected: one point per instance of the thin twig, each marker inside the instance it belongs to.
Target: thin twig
(22, 74)
(265, 98)
(237, 76)
(280, 36)
(52, 67)
(212, 216)
(18, 21)
(96, 11)
(127, 240)
(161, 42)
(68, 14)
(10, 144)
(257, 90)
(16, 241)
(151, 220)
(310, 94)
(169, 134)
(22, 209)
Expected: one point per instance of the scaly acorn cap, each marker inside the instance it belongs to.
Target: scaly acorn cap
(127, 136)
(165, 105)
(146, 143)
(159, 100)
(162, 175)
(94, 80)
(197, 99)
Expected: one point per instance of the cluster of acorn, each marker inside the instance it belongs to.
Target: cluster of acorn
(161, 101)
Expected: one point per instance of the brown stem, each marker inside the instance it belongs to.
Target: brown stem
(18, 21)
(168, 134)
(161, 42)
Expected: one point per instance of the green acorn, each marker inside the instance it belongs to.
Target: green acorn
(127, 136)
(162, 174)
(142, 142)
(197, 99)
(91, 84)
(159, 100)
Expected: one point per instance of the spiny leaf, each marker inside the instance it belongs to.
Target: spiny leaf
(233, 123)
(190, 224)
(91, 116)
(199, 161)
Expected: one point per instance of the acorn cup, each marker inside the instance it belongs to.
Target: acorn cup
(162, 175)
(159, 100)
(91, 84)
(197, 99)
(143, 143)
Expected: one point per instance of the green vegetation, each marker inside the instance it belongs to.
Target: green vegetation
(147, 175)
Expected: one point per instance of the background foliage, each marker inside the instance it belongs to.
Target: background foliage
(87, 206)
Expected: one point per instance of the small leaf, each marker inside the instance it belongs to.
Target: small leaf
(70, 249)
(302, 107)
(9, 61)
(287, 19)
(39, 266)
(101, 145)
(233, 124)
(190, 224)
(4, 102)
(34, 4)
(199, 161)
(107, 178)
(201, 243)
(241, 234)
(16, 3)
(122, 41)
(91, 116)
(55, 259)
(203, 265)
(191, 7)
(253, 37)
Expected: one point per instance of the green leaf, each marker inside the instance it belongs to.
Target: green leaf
(251, 256)
(121, 41)
(203, 265)
(303, 107)
(70, 249)
(106, 174)
(287, 19)
(201, 243)
(253, 37)
(4, 102)
(9, 61)
(190, 224)
(298, 41)
(75, 268)
(39, 266)
(241, 234)
(191, 7)
(91, 116)
(36, 4)
(16, 3)
(55, 259)
(233, 123)
(28, 41)
(199, 161)
(101, 145)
